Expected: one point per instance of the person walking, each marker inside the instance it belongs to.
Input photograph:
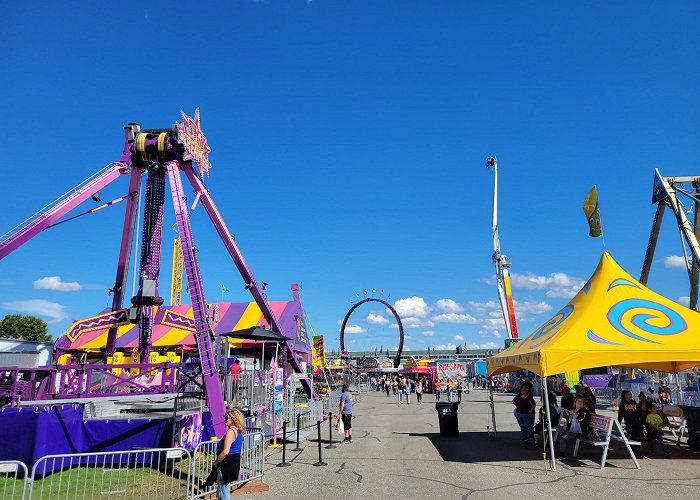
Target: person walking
(227, 464)
(399, 387)
(448, 386)
(387, 386)
(525, 414)
(345, 411)
(407, 389)
(419, 392)
(459, 392)
(436, 388)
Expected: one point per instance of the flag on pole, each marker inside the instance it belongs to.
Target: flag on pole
(223, 288)
(590, 208)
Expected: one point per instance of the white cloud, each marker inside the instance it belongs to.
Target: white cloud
(459, 337)
(490, 333)
(675, 261)
(55, 283)
(407, 337)
(38, 307)
(429, 333)
(531, 307)
(455, 318)
(449, 306)
(684, 301)
(376, 319)
(487, 345)
(495, 323)
(412, 307)
(445, 347)
(558, 285)
(354, 329)
(482, 307)
(414, 323)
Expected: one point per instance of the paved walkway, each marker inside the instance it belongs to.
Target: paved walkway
(397, 452)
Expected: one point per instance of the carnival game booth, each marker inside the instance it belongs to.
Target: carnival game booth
(420, 368)
(613, 321)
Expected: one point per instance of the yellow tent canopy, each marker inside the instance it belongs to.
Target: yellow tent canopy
(613, 321)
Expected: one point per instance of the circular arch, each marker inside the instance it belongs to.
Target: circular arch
(397, 359)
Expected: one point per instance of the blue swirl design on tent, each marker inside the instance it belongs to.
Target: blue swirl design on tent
(639, 309)
(621, 282)
(599, 340)
(550, 325)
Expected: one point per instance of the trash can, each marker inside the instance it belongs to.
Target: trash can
(447, 416)
(692, 419)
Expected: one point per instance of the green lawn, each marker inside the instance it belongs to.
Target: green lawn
(105, 482)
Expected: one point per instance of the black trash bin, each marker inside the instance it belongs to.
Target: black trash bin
(447, 416)
(692, 419)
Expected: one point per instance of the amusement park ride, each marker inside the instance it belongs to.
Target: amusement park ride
(665, 195)
(502, 264)
(159, 154)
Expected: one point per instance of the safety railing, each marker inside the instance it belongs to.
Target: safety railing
(605, 396)
(150, 473)
(204, 455)
(13, 479)
(690, 398)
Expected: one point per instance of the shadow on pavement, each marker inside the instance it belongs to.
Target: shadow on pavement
(475, 447)
(478, 447)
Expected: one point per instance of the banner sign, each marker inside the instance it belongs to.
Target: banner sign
(318, 355)
(279, 389)
(457, 372)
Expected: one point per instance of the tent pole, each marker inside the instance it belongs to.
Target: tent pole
(493, 409)
(548, 424)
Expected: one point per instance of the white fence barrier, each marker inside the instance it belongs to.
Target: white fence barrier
(203, 456)
(158, 473)
(604, 395)
(151, 473)
(13, 479)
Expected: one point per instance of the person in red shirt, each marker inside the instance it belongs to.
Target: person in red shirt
(235, 370)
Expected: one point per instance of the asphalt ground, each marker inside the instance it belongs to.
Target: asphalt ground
(397, 452)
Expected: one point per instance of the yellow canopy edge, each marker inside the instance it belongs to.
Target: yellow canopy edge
(612, 321)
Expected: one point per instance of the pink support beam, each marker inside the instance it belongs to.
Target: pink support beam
(52, 214)
(202, 333)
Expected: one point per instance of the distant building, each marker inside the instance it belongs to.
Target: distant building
(24, 353)
(450, 354)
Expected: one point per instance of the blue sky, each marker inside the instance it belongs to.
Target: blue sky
(349, 141)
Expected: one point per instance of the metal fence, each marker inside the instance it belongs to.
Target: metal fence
(13, 479)
(151, 473)
(158, 473)
(203, 456)
(690, 398)
(604, 395)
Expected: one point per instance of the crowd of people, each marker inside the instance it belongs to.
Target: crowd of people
(402, 387)
(570, 417)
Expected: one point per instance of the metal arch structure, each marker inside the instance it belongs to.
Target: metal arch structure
(397, 359)
(162, 155)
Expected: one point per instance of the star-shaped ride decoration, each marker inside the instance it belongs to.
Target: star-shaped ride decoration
(191, 137)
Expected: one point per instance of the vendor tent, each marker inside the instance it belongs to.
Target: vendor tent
(613, 321)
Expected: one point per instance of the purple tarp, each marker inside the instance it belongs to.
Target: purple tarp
(29, 435)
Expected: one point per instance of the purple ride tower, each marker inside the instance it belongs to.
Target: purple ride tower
(158, 154)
